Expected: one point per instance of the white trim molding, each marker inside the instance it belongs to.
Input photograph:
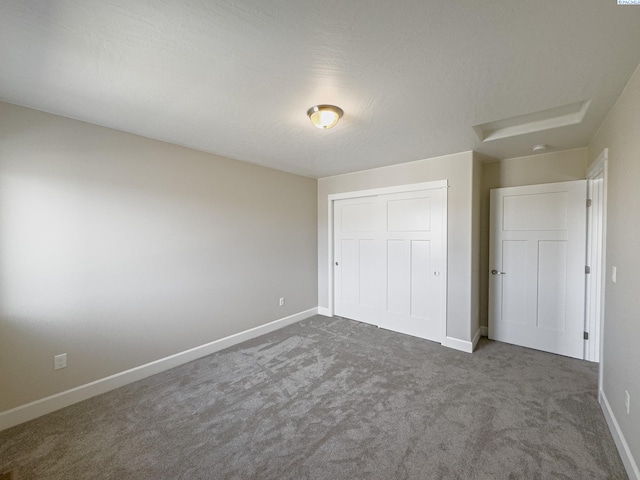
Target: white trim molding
(602, 164)
(462, 345)
(596, 252)
(324, 311)
(30, 411)
(410, 187)
(484, 331)
(623, 448)
(476, 339)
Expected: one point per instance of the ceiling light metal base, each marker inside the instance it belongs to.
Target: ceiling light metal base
(325, 116)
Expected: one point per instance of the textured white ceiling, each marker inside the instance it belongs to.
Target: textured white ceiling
(236, 78)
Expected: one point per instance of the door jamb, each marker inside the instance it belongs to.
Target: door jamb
(600, 165)
(443, 184)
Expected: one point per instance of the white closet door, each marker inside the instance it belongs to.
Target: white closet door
(357, 261)
(389, 261)
(537, 259)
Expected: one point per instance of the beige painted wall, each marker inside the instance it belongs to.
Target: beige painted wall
(120, 250)
(476, 212)
(550, 167)
(458, 170)
(620, 133)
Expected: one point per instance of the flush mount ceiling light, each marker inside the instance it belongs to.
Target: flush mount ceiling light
(325, 116)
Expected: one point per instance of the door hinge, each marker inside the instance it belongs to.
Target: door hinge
(586, 335)
(587, 269)
(588, 202)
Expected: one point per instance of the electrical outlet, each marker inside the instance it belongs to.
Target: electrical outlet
(282, 301)
(627, 401)
(614, 274)
(60, 361)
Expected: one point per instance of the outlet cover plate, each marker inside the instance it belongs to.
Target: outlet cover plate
(60, 361)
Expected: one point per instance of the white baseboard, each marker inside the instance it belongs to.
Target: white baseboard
(484, 331)
(324, 311)
(457, 344)
(476, 339)
(623, 448)
(29, 411)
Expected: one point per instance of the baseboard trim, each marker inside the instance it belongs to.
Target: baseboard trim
(476, 339)
(24, 413)
(623, 448)
(457, 344)
(324, 311)
(484, 331)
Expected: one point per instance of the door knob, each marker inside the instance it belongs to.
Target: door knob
(496, 272)
(336, 264)
(436, 273)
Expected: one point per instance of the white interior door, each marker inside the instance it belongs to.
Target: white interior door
(537, 257)
(389, 261)
(357, 259)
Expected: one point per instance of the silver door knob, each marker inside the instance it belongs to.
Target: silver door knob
(496, 272)
(336, 264)
(436, 273)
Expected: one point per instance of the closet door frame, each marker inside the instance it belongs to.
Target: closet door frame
(438, 184)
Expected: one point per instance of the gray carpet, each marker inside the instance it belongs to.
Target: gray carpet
(333, 399)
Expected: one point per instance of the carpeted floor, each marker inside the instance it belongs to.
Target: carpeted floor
(333, 399)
